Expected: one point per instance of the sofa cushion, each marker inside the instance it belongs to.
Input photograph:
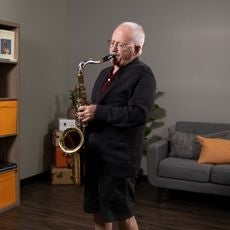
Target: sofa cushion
(184, 169)
(220, 174)
(214, 150)
(185, 145)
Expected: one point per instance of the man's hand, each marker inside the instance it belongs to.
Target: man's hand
(86, 112)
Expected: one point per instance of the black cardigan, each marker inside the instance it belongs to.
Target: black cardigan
(115, 136)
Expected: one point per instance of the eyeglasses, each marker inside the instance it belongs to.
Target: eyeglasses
(119, 45)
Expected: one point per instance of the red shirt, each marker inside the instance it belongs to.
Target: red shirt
(108, 81)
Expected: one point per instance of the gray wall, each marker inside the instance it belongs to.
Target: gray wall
(43, 75)
(187, 46)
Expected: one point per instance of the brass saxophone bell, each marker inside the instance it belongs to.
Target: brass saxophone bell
(71, 140)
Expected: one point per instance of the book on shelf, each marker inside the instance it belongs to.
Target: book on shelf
(4, 166)
(7, 41)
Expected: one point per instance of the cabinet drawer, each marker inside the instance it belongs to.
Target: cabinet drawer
(8, 117)
(7, 188)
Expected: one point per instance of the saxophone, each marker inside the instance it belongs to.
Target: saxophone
(72, 139)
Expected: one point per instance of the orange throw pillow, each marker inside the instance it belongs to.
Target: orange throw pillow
(214, 150)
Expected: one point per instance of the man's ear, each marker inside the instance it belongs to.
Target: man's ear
(137, 50)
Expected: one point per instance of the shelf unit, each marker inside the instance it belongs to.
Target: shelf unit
(9, 119)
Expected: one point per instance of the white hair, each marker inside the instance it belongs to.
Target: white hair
(138, 33)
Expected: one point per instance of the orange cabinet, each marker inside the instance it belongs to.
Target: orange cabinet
(8, 188)
(8, 117)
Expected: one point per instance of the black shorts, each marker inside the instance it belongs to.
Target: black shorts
(111, 197)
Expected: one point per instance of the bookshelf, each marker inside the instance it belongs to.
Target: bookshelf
(9, 115)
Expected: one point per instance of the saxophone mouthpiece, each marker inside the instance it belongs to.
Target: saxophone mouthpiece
(108, 57)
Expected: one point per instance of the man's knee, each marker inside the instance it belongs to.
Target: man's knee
(128, 224)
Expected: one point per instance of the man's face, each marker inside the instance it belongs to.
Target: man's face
(122, 45)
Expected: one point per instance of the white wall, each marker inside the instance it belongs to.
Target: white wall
(187, 46)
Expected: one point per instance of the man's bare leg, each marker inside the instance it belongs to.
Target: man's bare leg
(100, 225)
(128, 224)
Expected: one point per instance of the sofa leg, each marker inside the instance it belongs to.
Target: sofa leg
(159, 194)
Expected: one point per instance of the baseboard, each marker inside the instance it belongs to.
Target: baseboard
(45, 176)
(39, 177)
(141, 178)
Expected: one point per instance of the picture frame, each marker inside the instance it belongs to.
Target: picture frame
(7, 39)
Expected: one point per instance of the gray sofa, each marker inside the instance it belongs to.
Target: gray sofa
(168, 169)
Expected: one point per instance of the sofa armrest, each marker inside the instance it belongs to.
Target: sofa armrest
(155, 153)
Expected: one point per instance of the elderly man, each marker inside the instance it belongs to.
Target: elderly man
(122, 98)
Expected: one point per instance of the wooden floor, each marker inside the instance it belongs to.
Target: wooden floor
(48, 207)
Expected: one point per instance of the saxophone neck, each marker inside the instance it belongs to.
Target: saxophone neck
(82, 64)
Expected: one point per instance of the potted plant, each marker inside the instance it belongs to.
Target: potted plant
(155, 121)
(72, 109)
